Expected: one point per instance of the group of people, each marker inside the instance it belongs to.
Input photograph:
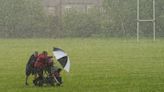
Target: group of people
(43, 68)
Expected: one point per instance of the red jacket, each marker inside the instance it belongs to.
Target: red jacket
(41, 61)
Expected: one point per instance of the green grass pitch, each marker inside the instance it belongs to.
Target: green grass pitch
(97, 65)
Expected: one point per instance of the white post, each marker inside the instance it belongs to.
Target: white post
(154, 21)
(138, 18)
(142, 20)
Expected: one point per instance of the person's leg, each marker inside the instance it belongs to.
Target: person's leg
(59, 79)
(28, 72)
(39, 80)
(26, 83)
(50, 80)
(35, 73)
(35, 81)
(36, 77)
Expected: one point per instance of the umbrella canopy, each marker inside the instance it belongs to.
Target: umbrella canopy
(62, 57)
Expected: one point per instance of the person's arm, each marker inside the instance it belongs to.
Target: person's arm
(56, 79)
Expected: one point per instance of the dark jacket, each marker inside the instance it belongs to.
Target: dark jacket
(31, 60)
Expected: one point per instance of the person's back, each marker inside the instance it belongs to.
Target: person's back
(39, 62)
(32, 59)
(42, 60)
(30, 65)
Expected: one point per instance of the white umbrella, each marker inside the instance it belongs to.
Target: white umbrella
(62, 57)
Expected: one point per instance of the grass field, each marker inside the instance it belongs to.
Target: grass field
(97, 65)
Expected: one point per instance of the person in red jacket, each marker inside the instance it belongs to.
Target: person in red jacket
(40, 65)
(41, 60)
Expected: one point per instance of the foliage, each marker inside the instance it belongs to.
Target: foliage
(21, 18)
(77, 24)
(123, 17)
(27, 18)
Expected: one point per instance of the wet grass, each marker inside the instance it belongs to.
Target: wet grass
(97, 65)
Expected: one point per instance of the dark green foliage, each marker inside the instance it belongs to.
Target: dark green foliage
(123, 16)
(21, 18)
(78, 24)
(27, 18)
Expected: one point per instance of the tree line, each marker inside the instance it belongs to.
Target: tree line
(117, 18)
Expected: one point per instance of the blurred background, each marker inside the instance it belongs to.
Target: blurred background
(78, 18)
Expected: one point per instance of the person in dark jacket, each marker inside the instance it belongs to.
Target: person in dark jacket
(30, 66)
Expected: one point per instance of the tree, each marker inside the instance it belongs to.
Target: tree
(81, 24)
(21, 18)
(122, 17)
